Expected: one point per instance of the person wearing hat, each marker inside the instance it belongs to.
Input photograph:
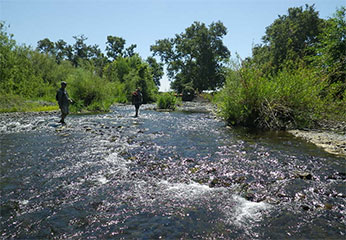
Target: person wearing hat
(63, 101)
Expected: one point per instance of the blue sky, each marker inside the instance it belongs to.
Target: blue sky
(142, 22)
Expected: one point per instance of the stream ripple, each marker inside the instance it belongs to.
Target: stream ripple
(169, 175)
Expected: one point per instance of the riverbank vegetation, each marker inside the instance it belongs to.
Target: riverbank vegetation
(167, 101)
(11, 103)
(294, 78)
(95, 80)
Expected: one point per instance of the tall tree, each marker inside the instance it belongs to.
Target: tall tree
(156, 69)
(195, 57)
(80, 49)
(331, 48)
(290, 36)
(130, 51)
(63, 51)
(46, 46)
(97, 58)
(115, 47)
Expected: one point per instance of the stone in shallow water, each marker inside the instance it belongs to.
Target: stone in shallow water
(304, 175)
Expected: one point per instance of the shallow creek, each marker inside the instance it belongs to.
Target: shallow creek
(169, 175)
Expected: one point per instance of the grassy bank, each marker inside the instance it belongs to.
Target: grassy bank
(10, 103)
(297, 98)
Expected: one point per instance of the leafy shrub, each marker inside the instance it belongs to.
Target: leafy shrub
(207, 96)
(288, 100)
(335, 102)
(166, 101)
(121, 96)
(129, 74)
(188, 93)
(90, 91)
(14, 103)
(31, 75)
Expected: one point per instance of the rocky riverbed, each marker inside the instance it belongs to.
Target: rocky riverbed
(330, 135)
(174, 175)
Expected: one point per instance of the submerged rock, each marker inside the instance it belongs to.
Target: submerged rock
(328, 206)
(304, 175)
(87, 128)
(305, 207)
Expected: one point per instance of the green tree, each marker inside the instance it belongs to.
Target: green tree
(196, 56)
(80, 54)
(80, 50)
(156, 70)
(17, 76)
(130, 51)
(330, 54)
(46, 46)
(97, 59)
(140, 76)
(289, 38)
(60, 49)
(36, 74)
(115, 47)
(63, 51)
(117, 70)
(7, 59)
(128, 73)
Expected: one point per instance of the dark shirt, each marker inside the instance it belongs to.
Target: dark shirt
(62, 97)
(137, 98)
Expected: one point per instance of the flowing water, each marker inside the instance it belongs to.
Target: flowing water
(178, 175)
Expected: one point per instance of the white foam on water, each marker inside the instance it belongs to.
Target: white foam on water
(119, 164)
(187, 190)
(22, 126)
(102, 180)
(24, 202)
(25, 127)
(246, 212)
(116, 165)
(10, 126)
(238, 211)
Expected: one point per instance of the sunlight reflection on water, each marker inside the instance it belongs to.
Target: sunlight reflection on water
(175, 175)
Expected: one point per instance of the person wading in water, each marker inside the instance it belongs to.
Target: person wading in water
(137, 100)
(63, 101)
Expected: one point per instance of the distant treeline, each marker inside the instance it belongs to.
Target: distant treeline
(295, 77)
(95, 81)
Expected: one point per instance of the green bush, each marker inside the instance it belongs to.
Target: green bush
(121, 96)
(128, 74)
(15, 103)
(166, 101)
(89, 91)
(36, 76)
(288, 100)
(188, 93)
(335, 102)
